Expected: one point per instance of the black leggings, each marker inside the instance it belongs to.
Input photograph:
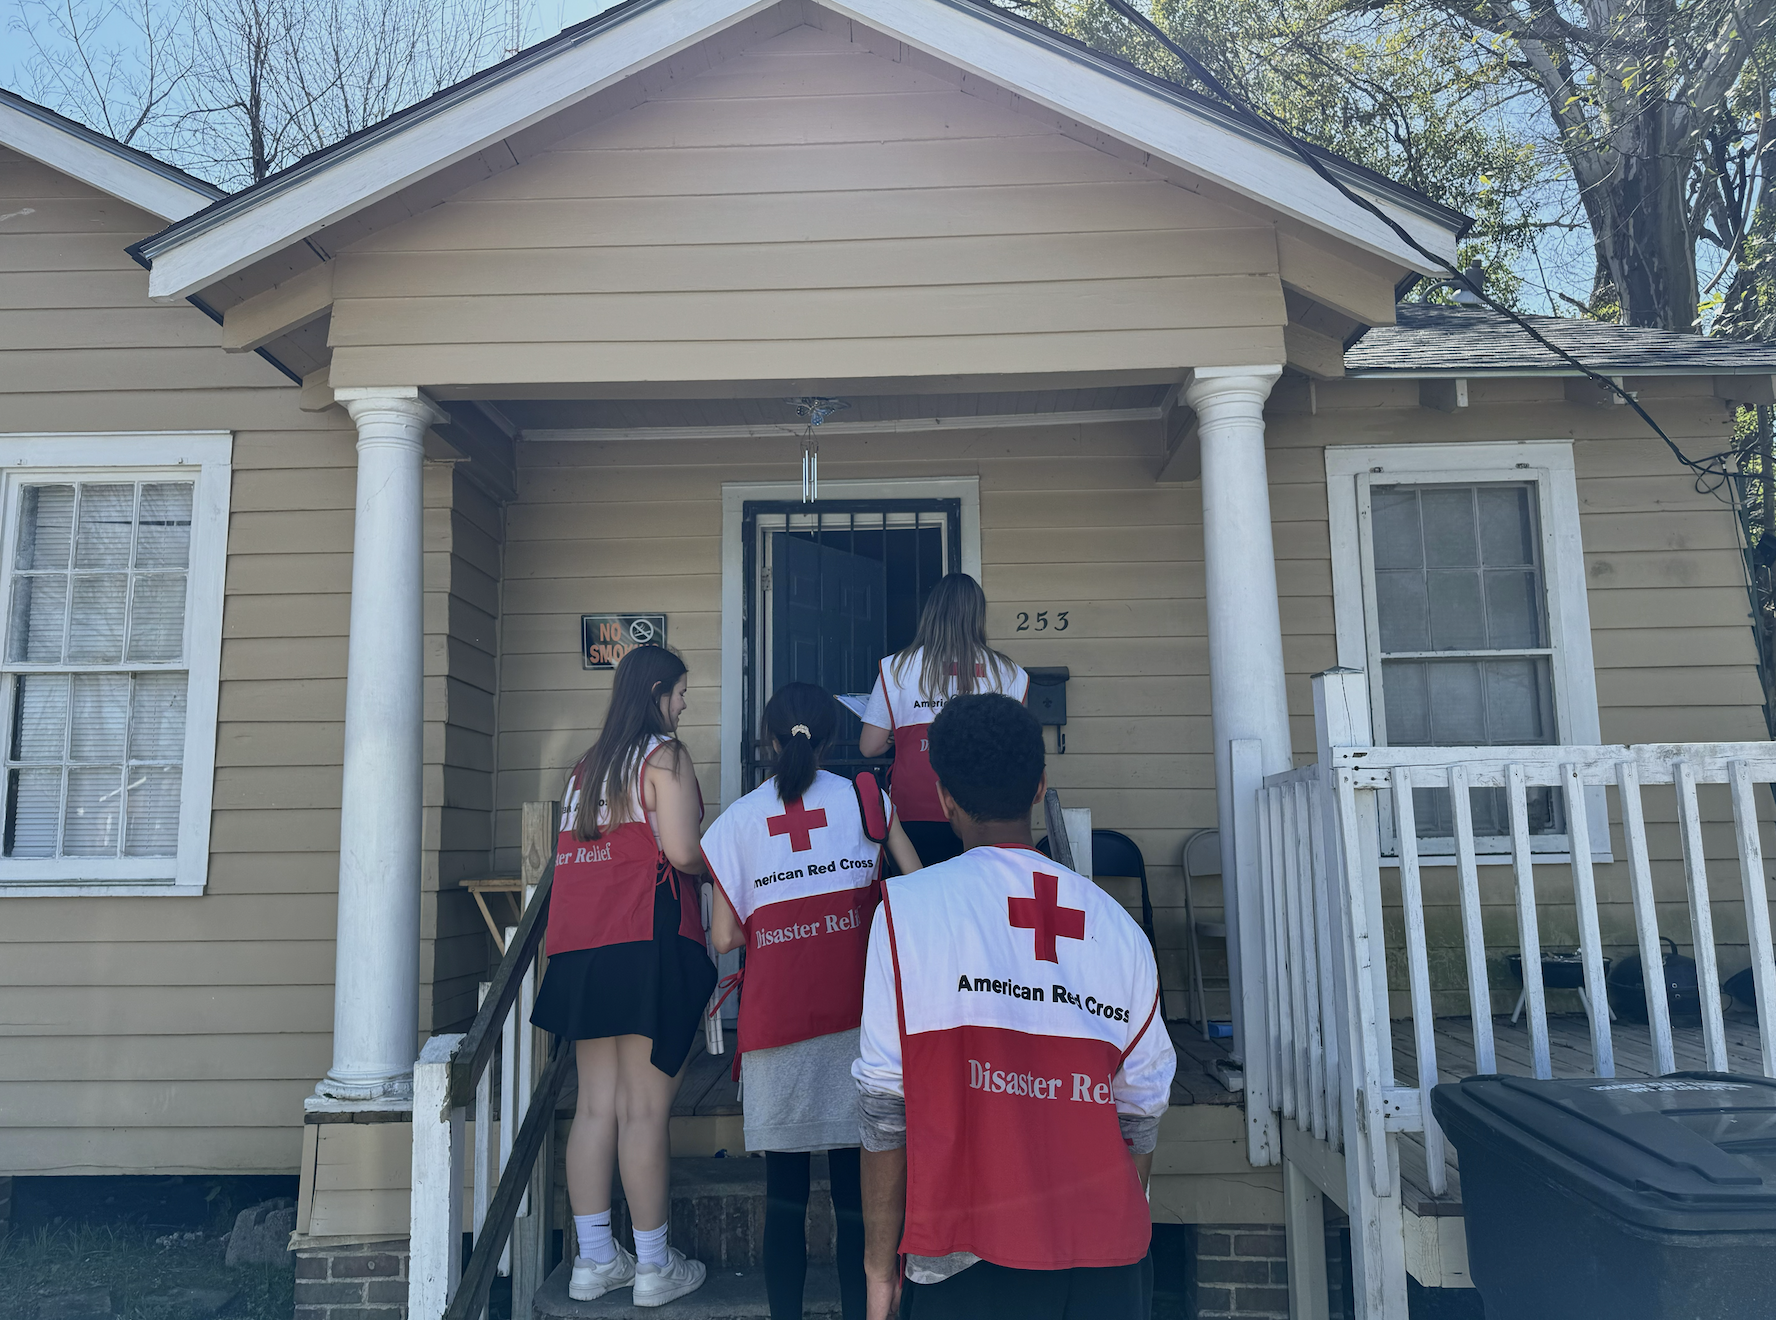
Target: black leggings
(786, 1230)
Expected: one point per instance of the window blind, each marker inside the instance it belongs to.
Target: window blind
(95, 640)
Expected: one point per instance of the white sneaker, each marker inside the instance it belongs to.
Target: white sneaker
(591, 1280)
(655, 1285)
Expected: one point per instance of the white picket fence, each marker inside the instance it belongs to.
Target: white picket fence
(1319, 1041)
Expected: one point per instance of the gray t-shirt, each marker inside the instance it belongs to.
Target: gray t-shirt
(801, 1096)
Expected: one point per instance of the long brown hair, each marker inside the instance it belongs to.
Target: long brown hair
(606, 771)
(953, 634)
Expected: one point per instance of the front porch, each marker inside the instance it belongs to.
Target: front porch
(1058, 513)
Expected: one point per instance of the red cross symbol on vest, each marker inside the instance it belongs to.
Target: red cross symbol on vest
(1046, 917)
(799, 824)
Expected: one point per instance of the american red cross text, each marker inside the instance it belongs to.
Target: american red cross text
(1045, 916)
(799, 823)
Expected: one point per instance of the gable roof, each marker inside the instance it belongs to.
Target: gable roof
(101, 162)
(1436, 340)
(1059, 73)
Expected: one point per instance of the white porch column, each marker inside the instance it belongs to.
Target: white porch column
(376, 978)
(1247, 697)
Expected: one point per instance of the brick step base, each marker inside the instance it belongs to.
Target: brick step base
(728, 1295)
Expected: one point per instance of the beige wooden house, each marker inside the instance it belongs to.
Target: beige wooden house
(308, 491)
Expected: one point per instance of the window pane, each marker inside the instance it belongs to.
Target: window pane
(1400, 601)
(1449, 527)
(157, 618)
(1408, 708)
(90, 823)
(101, 717)
(1430, 807)
(34, 805)
(1393, 513)
(46, 527)
(39, 608)
(163, 534)
(153, 825)
(1513, 608)
(40, 718)
(96, 633)
(157, 718)
(1507, 525)
(1458, 709)
(1492, 810)
(1458, 621)
(107, 522)
(1519, 701)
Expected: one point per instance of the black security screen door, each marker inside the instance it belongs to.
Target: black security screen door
(831, 588)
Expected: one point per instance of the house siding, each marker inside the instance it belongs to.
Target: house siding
(181, 1034)
(808, 208)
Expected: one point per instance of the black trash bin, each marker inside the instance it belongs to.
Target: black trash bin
(1647, 1198)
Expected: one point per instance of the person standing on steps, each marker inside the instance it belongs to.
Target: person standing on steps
(628, 972)
(1013, 1064)
(949, 657)
(796, 865)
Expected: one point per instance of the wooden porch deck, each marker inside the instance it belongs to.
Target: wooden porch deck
(1569, 1042)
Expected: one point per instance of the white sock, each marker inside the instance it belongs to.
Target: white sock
(594, 1232)
(650, 1246)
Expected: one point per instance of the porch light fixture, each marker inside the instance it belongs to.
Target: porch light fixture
(813, 410)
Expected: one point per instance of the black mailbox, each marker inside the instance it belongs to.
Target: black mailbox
(1048, 698)
(1048, 694)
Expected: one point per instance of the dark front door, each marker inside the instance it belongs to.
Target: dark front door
(831, 588)
(828, 620)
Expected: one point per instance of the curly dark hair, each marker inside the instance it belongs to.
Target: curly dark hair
(987, 752)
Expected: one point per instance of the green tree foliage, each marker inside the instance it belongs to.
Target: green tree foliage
(1389, 89)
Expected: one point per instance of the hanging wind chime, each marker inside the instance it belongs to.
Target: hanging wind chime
(813, 410)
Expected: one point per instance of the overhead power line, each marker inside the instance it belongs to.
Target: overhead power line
(1713, 469)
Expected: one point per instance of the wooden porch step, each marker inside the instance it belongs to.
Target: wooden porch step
(729, 1295)
(717, 1212)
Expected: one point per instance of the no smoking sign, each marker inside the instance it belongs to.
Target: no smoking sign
(607, 638)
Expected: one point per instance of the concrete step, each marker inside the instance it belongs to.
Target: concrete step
(717, 1213)
(729, 1294)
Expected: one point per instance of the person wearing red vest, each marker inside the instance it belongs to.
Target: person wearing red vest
(949, 657)
(796, 864)
(628, 972)
(1013, 1064)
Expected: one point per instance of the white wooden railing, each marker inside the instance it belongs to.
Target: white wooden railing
(508, 1175)
(1320, 1051)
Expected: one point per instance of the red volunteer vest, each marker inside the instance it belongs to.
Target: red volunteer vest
(603, 891)
(802, 879)
(915, 784)
(1014, 1152)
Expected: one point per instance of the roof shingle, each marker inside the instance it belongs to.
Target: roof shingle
(1430, 339)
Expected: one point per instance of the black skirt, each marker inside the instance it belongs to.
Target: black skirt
(657, 988)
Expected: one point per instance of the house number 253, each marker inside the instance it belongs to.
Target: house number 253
(1041, 623)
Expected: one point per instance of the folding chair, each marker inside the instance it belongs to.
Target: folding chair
(1202, 857)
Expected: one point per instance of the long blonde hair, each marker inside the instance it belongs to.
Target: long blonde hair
(953, 635)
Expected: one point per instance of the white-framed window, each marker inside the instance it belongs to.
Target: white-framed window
(1458, 580)
(112, 555)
